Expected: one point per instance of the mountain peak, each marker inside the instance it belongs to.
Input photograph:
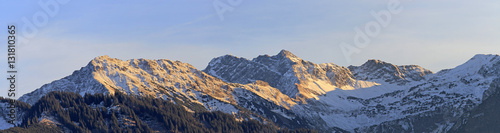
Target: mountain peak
(286, 54)
(484, 56)
(376, 62)
(482, 63)
(225, 59)
(102, 57)
(379, 70)
(230, 56)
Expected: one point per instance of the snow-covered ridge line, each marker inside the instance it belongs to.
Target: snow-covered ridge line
(287, 89)
(328, 92)
(157, 78)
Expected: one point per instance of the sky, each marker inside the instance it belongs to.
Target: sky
(57, 37)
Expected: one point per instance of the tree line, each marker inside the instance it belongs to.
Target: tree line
(126, 113)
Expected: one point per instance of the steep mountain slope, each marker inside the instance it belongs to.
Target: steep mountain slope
(484, 118)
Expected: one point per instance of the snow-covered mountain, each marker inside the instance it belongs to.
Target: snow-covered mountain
(170, 80)
(289, 91)
(434, 104)
(374, 97)
(292, 75)
(157, 78)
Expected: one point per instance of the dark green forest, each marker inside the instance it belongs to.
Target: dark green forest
(125, 113)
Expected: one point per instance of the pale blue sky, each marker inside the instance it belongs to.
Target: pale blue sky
(436, 34)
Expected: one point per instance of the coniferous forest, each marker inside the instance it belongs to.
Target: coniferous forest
(66, 111)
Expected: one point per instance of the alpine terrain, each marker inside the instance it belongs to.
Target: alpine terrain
(284, 91)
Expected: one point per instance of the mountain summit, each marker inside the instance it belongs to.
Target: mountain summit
(287, 54)
(380, 71)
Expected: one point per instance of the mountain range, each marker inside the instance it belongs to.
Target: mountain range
(294, 93)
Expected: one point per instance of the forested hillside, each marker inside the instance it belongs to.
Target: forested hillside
(66, 111)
